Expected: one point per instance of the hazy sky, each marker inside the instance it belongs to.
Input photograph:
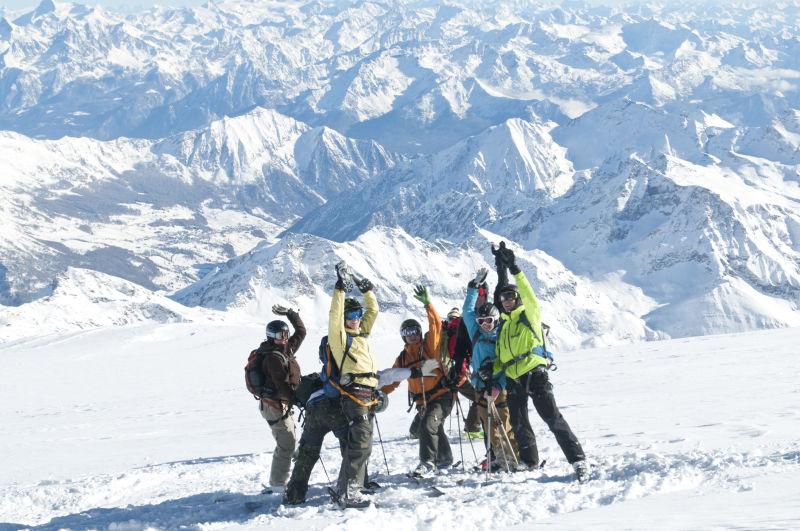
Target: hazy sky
(25, 4)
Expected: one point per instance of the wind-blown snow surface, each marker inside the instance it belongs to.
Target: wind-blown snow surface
(151, 428)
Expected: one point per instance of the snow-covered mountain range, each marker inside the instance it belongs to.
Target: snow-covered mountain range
(644, 160)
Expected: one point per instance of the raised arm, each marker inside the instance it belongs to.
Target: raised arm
(532, 309)
(337, 337)
(434, 334)
(299, 330)
(370, 311)
(468, 311)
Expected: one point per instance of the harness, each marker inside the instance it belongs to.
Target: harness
(437, 390)
(341, 386)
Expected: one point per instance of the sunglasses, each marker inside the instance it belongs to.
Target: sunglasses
(485, 320)
(408, 332)
(509, 296)
(353, 314)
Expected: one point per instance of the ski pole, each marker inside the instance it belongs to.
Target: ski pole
(505, 437)
(496, 415)
(380, 439)
(488, 446)
(471, 444)
(458, 425)
(325, 469)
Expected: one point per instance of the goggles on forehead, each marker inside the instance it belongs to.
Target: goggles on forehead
(509, 296)
(353, 314)
(485, 320)
(410, 331)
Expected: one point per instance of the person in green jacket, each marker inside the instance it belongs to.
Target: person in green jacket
(521, 356)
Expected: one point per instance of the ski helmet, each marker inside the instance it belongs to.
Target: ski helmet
(410, 327)
(352, 304)
(453, 313)
(510, 291)
(352, 309)
(488, 311)
(277, 330)
(410, 323)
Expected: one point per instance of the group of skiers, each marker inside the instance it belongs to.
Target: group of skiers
(493, 353)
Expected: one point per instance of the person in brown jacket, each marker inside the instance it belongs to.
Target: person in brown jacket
(282, 375)
(430, 393)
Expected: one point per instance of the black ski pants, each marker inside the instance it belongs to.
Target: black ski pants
(321, 418)
(353, 472)
(536, 385)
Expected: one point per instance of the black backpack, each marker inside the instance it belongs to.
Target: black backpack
(309, 383)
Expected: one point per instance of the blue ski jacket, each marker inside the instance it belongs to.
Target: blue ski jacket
(483, 343)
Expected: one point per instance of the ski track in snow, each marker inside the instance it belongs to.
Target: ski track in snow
(173, 499)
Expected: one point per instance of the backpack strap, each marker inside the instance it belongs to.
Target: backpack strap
(337, 386)
(516, 359)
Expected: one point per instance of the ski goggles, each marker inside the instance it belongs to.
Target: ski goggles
(410, 332)
(283, 335)
(353, 314)
(509, 296)
(485, 320)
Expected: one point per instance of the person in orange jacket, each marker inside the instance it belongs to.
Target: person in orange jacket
(430, 392)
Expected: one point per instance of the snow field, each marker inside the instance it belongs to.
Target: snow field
(151, 428)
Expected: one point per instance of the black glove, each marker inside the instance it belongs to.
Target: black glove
(363, 284)
(485, 372)
(344, 281)
(278, 309)
(498, 259)
(480, 278)
(506, 256)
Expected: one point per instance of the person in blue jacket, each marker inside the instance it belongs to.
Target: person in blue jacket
(482, 326)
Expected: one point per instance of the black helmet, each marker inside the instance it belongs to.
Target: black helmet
(352, 304)
(410, 323)
(510, 291)
(352, 309)
(277, 330)
(410, 327)
(488, 310)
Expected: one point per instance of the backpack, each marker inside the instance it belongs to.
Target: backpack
(258, 383)
(539, 351)
(309, 384)
(330, 372)
(254, 377)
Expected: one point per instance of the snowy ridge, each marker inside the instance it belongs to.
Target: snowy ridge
(654, 148)
(298, 270)
(155, 213)
(85, 299)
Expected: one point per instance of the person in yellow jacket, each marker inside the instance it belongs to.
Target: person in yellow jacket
(349, 326)
(430, 392)
(523, 359)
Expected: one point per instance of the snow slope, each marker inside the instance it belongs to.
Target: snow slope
(151, 428)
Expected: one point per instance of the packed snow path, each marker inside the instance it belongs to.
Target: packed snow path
(150, 427)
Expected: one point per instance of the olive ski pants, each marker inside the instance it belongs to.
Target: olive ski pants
(434, 447)
(282, 426)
